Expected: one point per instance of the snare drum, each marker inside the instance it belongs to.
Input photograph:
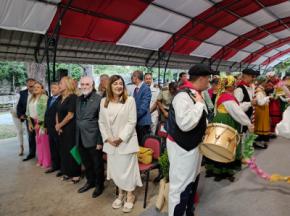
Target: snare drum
(220, 143)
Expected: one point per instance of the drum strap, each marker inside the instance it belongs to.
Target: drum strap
(191, 95)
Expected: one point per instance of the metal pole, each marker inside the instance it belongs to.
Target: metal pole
(47, 63)
(158, 68)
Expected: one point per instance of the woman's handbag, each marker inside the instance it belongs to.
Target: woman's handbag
(145, 155)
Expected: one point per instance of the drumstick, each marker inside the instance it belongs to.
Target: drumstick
(253, 117)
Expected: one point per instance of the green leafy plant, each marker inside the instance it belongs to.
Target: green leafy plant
(164, 165)
(248, 145)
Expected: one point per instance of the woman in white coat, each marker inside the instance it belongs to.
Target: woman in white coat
(117, 123)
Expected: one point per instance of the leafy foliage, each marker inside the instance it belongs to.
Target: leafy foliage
(14, 72)
(126, 71)
(283, 66)
(75, 70)
(164, 165)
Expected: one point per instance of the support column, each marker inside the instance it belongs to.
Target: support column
(88, 70)
(37, 72)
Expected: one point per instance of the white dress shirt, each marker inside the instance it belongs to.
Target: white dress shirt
(187, 113)
(240, 96)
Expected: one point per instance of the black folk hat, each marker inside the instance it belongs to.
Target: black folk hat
(250, 71)
(200, 70)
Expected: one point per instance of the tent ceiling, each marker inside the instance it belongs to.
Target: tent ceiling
(229, 32)
(20, 46)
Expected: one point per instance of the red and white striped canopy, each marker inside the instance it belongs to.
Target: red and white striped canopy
(247, 31)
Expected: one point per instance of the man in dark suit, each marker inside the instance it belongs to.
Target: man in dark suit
(21, 113)
(49, 124)
(88, 137)
(142, 95)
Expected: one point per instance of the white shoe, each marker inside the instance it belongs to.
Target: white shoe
(128, 206)
(118, 203)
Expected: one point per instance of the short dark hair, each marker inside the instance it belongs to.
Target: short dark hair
(147, 74)
(172, 85)
(193, 78)
(181, 74)
(30, 79)
(138, 74)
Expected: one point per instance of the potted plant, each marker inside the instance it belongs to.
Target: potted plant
(162, 199)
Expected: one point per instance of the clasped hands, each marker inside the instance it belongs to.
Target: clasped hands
(58, 128)
(114, 141)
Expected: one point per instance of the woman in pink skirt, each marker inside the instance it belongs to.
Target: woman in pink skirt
(37, 103)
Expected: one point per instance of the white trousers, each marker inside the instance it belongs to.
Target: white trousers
(184, 168)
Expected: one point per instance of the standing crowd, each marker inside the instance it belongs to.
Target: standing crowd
(110, 123)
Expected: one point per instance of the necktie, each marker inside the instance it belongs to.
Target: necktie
(52, 101)
(136, 91)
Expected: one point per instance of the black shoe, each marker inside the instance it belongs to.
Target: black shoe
(85, 188)
(158, 178)
(209, 174)
(256, 146)
(98, 191)
(231, 178)
(238, 165)
(28, 157)
(218, 178)
(51, 170)
(59, 174)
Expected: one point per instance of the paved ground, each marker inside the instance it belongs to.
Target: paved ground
(26, 191)
(5, 118)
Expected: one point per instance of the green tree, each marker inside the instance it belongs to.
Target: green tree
(283, 66)
(14, 72)
(75, 70)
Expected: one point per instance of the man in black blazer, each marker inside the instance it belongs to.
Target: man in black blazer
(88, 136)
(21, 113)
(49, 124)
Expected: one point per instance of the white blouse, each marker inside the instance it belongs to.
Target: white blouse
(237, 113)
(32, 106)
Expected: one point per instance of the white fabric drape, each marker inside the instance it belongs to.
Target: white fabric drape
(25, 15)
(283, 128)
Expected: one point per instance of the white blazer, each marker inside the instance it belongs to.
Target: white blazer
(123, 126)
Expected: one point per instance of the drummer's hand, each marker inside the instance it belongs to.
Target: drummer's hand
(251, 128)
(254, 102)
(198, 97)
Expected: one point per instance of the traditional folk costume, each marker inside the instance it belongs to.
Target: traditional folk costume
(244, 94)
(186, 127)
(275, 105)
(228, 112)
(285, 87)
(262, 118)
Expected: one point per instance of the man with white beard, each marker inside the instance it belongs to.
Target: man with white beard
(88, 136)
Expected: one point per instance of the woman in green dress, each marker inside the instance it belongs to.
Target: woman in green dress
(228, 112)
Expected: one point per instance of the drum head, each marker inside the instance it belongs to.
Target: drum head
(217, 153)
(220, 143)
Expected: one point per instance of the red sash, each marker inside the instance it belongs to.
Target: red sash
(226, 96)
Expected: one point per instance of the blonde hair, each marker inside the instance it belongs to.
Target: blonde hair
(70, 86)
(34, 96)
(110, 95)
